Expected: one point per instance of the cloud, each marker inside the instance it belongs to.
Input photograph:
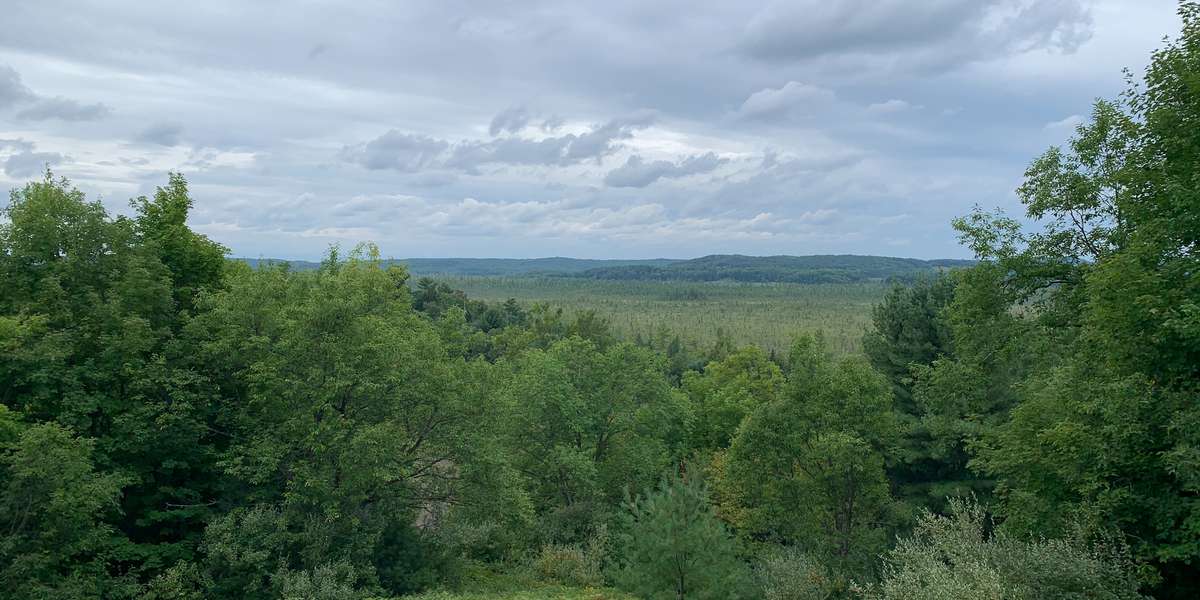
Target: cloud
(1065, 124)
(17, 144)
(638, 173)
(511, 120)
(409, 153)
(933, 30)
(317, 50)
(162, 133)
(28, 162)
(64, 109)
(12, 91)
(399, 151)
(890, 106)
(790, 99)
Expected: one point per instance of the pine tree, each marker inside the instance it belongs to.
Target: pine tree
(673, 546)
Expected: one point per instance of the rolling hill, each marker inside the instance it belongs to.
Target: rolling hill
(844, 268)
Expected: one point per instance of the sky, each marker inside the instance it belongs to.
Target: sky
(614, 129)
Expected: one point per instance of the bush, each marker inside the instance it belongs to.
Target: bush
(953, 557)
(786, 573)
(326, 582)
(574, 564)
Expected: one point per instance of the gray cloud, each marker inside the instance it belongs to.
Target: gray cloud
(162, 133)
(638, 173)
(399, 151)
(65, 109)
(788, 100)
(511, 120)
(28, 162)
(935, 30)
(406, 152)
(18, 144)
(12, 91)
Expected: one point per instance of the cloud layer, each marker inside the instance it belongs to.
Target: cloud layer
(602, 129)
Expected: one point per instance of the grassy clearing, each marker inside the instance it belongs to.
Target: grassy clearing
(766, 314)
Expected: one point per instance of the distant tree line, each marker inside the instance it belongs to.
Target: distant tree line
(780, 269)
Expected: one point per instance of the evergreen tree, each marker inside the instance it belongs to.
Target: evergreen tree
(673, 546)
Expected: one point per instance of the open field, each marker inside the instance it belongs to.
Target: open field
(766, 314)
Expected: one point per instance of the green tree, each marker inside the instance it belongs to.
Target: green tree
(726, 392)
(909, 327)
(673, 546)
(911, 342)
(807, 469)
(56, 541)
(349, 419)
(1104, 427)
(586, 424)
(88, 317)
(195, 262)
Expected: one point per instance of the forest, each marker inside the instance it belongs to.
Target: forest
(716, 267)
(178, 425)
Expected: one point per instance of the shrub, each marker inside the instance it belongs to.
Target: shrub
(953, 557)
(786, 573)
(574, 564)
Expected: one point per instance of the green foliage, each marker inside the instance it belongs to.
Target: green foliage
(89, 313)
(587, 424)
(726, 392)
(963, 556)
(195, 262)
(912, 343)
(175, 426)
(1098, 362)
(807, 469)
(909, 327)
(671, 545)
(325, 582)
(55, 541)
(579, 564)
(786, 573)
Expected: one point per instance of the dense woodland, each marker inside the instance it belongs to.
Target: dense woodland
(175, 425)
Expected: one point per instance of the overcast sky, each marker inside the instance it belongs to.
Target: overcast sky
(625, 129)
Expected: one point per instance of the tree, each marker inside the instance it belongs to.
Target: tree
(56, 542)
(726, 392)
(195, 262)
(807, 469)
(1104, 424)
(909, 327)
(672, 546)
(348, 415)
(586, 424)
(911, 342)
(89, 315)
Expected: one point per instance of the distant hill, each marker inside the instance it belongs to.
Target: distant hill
(831, 268)
(490, 267)
(841, 268)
